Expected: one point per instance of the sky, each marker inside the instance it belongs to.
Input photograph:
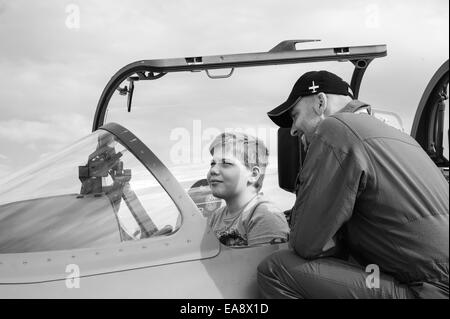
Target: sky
(57, 56)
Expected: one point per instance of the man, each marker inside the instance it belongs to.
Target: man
(365, 187)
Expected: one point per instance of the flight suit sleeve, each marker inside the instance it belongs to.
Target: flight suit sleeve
(329, 184)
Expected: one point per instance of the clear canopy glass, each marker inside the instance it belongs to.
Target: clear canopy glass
(93, 193)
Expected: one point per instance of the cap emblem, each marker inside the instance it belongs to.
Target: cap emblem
(313, 87)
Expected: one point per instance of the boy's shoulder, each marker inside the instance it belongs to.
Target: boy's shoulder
(261, 205)
(265, 217)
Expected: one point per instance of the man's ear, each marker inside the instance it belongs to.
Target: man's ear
(321, 105)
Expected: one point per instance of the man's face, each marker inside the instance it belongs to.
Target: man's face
(304, 119)
(227, 176)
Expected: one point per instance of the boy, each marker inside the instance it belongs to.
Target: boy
(236, 175)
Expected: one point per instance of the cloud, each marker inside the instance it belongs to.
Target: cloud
(53, 69)
(2, 7)
(61, 128)
(5, 170)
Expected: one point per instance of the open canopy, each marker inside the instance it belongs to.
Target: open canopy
(283, 53)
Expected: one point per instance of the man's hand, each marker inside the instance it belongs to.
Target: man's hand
(287, 214)
(335, 248)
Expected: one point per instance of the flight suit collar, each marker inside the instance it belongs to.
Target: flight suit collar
(355, 105)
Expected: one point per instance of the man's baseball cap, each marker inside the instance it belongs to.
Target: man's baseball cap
(309, 83)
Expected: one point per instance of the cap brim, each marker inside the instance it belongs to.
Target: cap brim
(281, 115)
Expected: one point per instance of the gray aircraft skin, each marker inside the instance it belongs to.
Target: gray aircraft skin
(79, 243)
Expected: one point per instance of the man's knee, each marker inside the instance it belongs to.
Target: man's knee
(284, 274)
(265, 265)
(279, 265)
(271, 275)
(278, 260)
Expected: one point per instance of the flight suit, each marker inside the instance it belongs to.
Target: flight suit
(373, 190)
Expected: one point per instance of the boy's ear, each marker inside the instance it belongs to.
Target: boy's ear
(256, 174)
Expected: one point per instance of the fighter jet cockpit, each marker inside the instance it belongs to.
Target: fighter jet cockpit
(109, 187)
(129, 205)
(91, 194)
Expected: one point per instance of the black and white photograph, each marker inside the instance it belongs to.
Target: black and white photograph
(224, 154)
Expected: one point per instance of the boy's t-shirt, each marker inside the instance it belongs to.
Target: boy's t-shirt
(260, 221)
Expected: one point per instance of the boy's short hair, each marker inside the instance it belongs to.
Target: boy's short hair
(250, 150)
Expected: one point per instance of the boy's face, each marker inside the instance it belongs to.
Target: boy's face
(227, 176)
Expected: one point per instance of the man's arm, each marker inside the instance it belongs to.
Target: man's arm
(328, 188)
